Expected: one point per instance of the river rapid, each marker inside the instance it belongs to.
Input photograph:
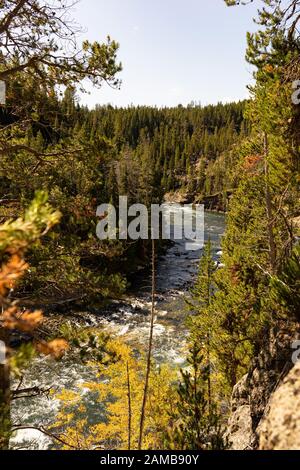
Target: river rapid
(129, 319)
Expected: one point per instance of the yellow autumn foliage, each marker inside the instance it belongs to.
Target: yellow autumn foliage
(55, 348)
(13, 318)
(11, 272)
(121, 421)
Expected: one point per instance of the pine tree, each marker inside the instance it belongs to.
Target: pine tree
(196, 423)
(285, 288)
(202, 322)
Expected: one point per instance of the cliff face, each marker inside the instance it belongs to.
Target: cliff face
(251, 398)
(280, 428)
(216, 202)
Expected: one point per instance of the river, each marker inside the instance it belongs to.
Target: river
(129, 319)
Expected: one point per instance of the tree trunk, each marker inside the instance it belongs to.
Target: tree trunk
(129, 407)
(272, 245)
(148, 370)
(5, 396)
(209, 376)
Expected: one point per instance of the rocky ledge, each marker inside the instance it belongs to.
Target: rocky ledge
(265, 404)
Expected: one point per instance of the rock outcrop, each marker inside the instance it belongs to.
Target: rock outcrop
(280, 428)
(239, 431)
(251, 396)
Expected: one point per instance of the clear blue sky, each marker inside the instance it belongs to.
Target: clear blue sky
(173, 51)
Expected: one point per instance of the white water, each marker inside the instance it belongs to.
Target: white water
(130, 320)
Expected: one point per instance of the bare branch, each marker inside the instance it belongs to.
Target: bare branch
(45, 432)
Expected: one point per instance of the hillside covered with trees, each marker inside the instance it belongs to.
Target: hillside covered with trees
(84, 158)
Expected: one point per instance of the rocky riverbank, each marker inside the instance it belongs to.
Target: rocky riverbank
(265, 402)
